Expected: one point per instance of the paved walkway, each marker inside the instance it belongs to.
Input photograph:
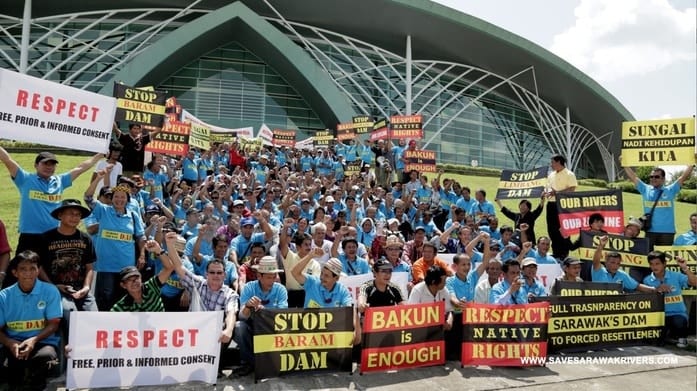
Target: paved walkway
(661, 369)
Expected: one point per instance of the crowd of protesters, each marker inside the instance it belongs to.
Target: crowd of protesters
(240, 229)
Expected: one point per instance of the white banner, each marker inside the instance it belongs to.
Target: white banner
(265, 134)
(246, 133)
(118, 349)
(44, 112)
(353, 283)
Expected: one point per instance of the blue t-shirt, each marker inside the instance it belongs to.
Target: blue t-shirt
(541, 260)
(463, 289)
(500, 289)
(359, 266)
(674, 304)
(189, 169)
(663, 220)
(479, 208)
(38, 198)
(398, 151)
(317, 296)
(116, 245)
(230, 270)
(602, 275)
(242, 245)
(689, 238)
(159, 182)
(536, 288)
(277, 297)
(206, 247)
(173, 286)
(24, 315)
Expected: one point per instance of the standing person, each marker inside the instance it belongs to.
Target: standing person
(662, 229)
(133, 142)
(40, 193)
(67, 256)
(560, 180)
(525, 216)
(30, 313)
(671, 284)
(115, 171)
(5, 251)
(689, 238)
(121, 243)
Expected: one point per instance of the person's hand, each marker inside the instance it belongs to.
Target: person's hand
(527, 246)
(524, 226)
(185, 299)
(317, 252)
(225, 336)
(682, 263)
(362, 307)
(456, 225)
(254, 304)
(515, 285)
(153, 219)
(25, 348)
(484, 236)
(81, 293)
(602, 241)
(153, 246)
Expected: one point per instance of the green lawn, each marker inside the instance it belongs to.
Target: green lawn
(9, 197)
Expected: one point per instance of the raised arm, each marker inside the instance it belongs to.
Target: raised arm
(598, 254)
(297, 270)
(11, 164)
(685, 174)
(84, 166)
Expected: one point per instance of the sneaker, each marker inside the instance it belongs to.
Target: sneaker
(682, 343)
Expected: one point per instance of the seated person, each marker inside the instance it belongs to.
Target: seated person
(572, 270)
(380, 291)
(611, 271)
(29, 300)
(431, 290)
(531, 284)
(508, 291)
(671, 284)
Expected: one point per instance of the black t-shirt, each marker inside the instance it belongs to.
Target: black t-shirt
(63, 257)
(133, 154)
(376, 298)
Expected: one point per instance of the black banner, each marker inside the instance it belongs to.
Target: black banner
(633, 251)
(302, 340)
(139, 106)
(596, 322)
(363, 124)
(522, 184)
(283, 138)
(323, 138)
(575, 208)
(585, 288)
(380, 131)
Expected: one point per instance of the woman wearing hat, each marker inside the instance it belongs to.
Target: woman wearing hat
(121, 239)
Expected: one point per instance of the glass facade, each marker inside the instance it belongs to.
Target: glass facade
(230, 86)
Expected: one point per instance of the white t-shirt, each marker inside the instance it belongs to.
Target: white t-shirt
(420, 295)
(113, 177)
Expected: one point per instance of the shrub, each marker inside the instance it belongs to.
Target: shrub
(688, 195)
(626, 186)
(593, 182)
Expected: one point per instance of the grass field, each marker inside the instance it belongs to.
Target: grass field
(9, 197)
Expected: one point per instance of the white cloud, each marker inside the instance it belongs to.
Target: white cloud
(615, 39)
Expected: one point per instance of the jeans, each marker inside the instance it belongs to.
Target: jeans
(243, 334)
(108, 290)
(87, 303)
(31, 373)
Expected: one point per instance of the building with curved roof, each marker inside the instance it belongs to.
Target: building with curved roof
(486, 95)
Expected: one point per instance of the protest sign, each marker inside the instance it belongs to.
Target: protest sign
(353, 168)
(141, 106)
(522, 184)
(265, 134)
(585, 288)
(172, 140)
(222, 135)
(658, 142)
(118, 349)
(353, 283)
(500, 335)
(575, 208)
(301, 340)
(689, 253)
(200, 136)
(173, 110)
(406, 127)
(283, 138)
(323, 138)
(632, 250)
(362, 124)
(597, 322)
(345, 131)
(44, 112)
(250, 145)
(380, 130)
(404, 336)
(420, 160)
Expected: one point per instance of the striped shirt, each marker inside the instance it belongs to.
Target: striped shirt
(224, 299)
(151, 299)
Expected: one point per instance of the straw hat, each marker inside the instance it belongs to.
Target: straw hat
(267, 264)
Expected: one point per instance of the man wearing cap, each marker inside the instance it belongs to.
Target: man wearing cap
(572, 272)
(393, 247)
(30, 313)
(67, 257)
(265, 292)
(352, 264)
(145, 297)
(532, 285)
(40, 193)
(380, 291)
(241, 244)
(325, 290)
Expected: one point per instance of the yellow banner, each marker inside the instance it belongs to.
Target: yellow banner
(575, 324)
(116, 235)
(658, 142)
(690, 255)
(200, 137)
(303, 341)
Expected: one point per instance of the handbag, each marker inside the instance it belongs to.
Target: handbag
(646, 218)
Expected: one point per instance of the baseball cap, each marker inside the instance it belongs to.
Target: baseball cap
(45, 157)
(247, 221)
(529, 261)
(152, 208)
(568, 261)
(128, 272)
(329, 199)
(420, 228)
(382, 264)
(237, 203)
